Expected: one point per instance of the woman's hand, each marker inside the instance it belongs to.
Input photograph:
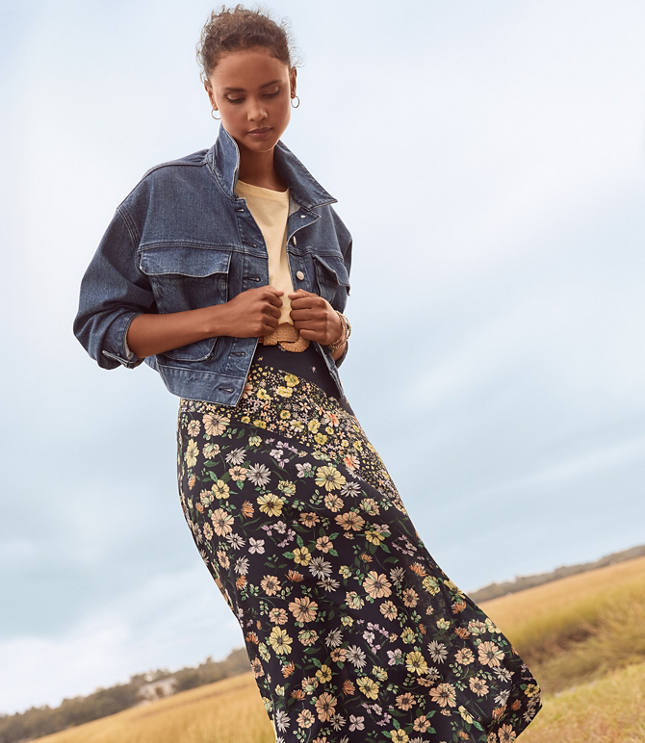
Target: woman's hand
(253, 312)
(315, 318)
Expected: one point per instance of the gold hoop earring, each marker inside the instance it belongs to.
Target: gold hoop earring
(217, 118)
(298, 97)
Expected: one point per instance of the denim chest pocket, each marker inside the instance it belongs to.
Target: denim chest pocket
(187, 278)
(331, 275)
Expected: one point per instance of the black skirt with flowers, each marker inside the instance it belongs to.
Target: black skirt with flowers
(353, 631)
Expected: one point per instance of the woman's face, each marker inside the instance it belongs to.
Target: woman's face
(251, 89)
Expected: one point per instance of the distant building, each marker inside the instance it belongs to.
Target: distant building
(158, 689)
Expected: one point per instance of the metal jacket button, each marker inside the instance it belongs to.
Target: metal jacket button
(300, 275)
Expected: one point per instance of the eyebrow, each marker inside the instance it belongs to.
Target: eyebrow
(241, 90)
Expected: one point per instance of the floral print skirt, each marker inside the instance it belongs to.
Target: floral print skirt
(353, 631)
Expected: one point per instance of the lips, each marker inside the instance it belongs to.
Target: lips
(260, 131)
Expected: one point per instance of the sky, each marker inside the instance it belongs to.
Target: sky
(488, 160)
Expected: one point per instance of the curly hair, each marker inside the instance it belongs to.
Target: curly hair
(231, 29)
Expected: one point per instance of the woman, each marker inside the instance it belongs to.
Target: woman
(228, 272)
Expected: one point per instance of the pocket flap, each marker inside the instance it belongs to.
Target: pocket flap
(334, 265)
(185, 261)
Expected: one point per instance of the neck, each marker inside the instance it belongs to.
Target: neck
(258, 168)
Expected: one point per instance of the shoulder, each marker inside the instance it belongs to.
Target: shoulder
(171, 167)
(166, 180)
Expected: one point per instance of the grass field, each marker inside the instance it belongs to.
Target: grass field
(582, 636)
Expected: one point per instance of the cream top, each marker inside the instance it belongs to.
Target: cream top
(270, 210)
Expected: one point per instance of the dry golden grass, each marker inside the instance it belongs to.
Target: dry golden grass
(582, 636)
(228, 711)
(578, 628)
(607, 710)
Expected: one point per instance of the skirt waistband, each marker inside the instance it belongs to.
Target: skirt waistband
(307, 364)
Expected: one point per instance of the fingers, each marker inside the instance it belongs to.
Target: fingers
(273, 295)
(303, 299)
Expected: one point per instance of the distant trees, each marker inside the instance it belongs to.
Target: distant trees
(38, 721)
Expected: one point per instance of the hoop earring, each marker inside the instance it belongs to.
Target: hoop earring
(298, 97)
(217, 118)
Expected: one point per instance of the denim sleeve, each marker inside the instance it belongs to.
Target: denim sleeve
(113, 292)
(341, 300)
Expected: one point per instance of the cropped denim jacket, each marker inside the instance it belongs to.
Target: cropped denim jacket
(182, 239)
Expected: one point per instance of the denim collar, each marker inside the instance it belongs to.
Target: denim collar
(223, 159)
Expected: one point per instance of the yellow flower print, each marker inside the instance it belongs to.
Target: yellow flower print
(431, 584)
(329, 477)
(532, 690)
(296, 425)
(254, 440)
(264, 651)
(262, 394)
(416, 663)
(302, 556)
(246, 419)
(220, 489)
(374, 536)
(284, 391)
(190, 455)
(345, 571)
(399, 736)
(270, 504)
(346, 621)
(211, 450)
(377, 585)
(280, 641)
(368, 686)
(323, 674)
(380, 673)
(288, 487)
(279, 690)
(408, 636)
(291, 380)
(357, 444)
(313, 425)
(320, 438)
(353, 600)
(259, 423)
(284, 413)
(466, 716)
(443, 623)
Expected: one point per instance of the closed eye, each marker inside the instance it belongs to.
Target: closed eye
(240, 100)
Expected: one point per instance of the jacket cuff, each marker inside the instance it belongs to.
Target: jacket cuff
(117, 333)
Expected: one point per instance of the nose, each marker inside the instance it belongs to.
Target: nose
(256, 111)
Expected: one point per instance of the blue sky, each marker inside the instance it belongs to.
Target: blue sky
(489, 162)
